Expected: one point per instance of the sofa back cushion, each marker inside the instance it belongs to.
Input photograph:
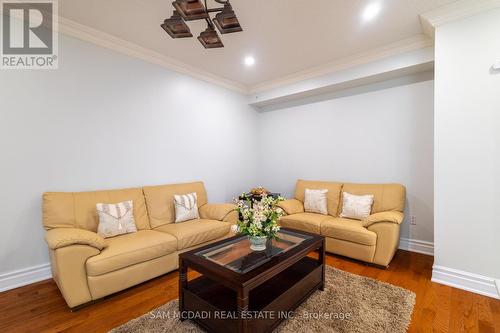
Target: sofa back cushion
(332, 197)
(386, 196)
(78, 209)
(160, 200)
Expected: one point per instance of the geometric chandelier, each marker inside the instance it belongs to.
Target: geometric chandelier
(187, 10)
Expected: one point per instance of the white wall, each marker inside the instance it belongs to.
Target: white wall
(106, 121)
(375, 134)
(467, 145)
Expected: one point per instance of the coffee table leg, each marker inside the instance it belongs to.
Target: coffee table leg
(322, 262)
(242, 309)
(182, 284)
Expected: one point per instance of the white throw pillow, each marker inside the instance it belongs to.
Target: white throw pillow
(186, 207)
(356, 207)
(116, 219)
(315, 201)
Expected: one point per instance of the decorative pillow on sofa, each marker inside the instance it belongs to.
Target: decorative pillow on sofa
(186, 207)
(315, 201)
(116, 219)
(356, 207)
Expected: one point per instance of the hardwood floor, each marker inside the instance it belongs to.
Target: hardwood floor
(40, 308)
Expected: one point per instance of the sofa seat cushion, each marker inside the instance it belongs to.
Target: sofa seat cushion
(130, 249)
(310, 222)
(348, 230)
(194, 232)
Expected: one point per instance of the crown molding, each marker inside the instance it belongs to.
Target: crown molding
(334, 83)
(410, 44)
(454, 11)
(79, 31)
(97, 37)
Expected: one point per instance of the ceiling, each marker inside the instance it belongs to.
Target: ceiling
(284, 36)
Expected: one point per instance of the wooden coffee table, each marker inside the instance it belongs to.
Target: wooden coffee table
(245, 291)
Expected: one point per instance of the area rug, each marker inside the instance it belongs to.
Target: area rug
(349, 303)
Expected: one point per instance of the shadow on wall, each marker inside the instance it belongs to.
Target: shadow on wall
(405, 226)
(402, 81)
(495, 70)
(424, 216)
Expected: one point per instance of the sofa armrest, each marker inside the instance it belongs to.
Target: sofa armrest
(70, 273)
(221, 212)
(387, 241)
(62, 237)
(392, 216)
(291, 206)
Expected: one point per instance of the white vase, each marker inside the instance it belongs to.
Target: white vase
(258, 243)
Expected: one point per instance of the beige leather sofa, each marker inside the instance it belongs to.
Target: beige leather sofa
(87, 267)
(373, 240)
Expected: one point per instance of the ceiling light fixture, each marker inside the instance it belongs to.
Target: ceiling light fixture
(187, 10)
(371, 11)
(226, 21)
(176, 27)
(210, 39)
(249, 61)
(191, 9)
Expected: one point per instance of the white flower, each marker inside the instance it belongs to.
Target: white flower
(257, 225)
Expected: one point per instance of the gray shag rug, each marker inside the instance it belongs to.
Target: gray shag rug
(349, 303)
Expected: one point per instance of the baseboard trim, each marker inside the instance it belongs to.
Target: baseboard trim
(479, 284)
(37, 273)
(415, 245)
(24, 277)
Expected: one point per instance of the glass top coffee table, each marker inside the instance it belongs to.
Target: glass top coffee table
(241, 290)
(236, 255)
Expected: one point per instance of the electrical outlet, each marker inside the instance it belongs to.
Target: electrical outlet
(413, 220)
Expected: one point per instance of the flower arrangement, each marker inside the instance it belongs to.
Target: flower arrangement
(259, 218)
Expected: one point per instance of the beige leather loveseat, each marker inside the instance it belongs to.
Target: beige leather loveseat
(373, 240)
(87, 267)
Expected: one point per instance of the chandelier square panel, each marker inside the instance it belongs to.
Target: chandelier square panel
(210, 39)
(188, 10)
(176, 27)
(191, 9)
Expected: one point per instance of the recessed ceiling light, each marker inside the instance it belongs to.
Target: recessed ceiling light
(371, 11)
(249, 61)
